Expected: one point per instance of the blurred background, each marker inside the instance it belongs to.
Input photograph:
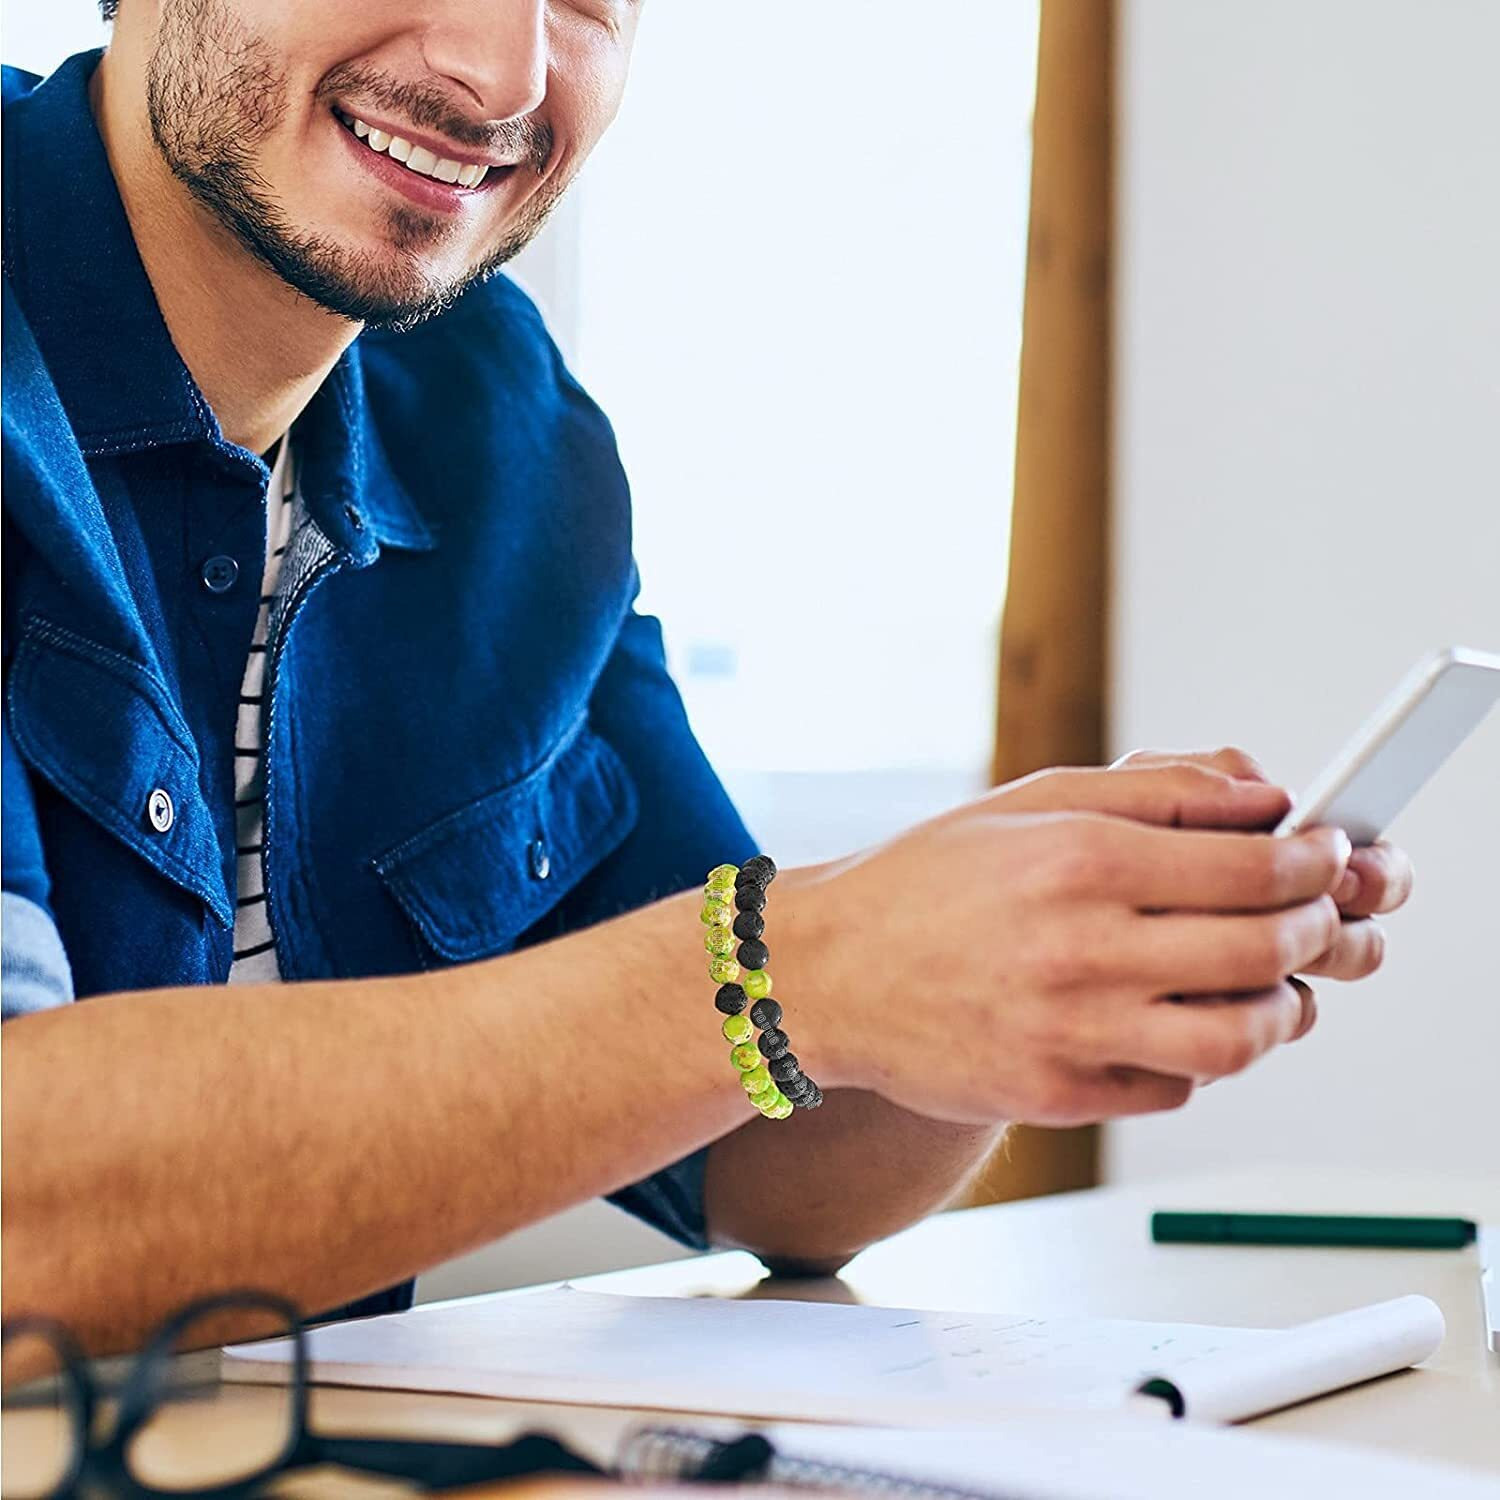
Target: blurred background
(1255, 474)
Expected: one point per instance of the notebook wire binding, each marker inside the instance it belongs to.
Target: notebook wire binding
(675, 1453)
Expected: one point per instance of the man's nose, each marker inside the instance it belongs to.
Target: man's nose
(495, 52)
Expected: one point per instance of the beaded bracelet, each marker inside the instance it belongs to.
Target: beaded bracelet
(768, 1069)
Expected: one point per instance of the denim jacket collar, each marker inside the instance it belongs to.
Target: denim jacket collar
(69, 252)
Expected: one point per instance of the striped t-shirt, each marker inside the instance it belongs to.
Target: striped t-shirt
(254, 947)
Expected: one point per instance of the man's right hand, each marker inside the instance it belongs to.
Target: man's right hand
(1025, 956)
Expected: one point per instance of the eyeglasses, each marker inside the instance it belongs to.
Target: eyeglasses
(69, 1433)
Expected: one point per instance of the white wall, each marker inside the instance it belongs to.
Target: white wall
(1308, 473)
(39, 36)
(801, 268)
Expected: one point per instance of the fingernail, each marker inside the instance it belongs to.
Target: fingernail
(1347, 889)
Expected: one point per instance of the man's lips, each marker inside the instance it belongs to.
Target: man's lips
(404, 139)
(415, 168)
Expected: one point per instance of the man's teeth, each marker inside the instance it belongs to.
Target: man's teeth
(418, 158)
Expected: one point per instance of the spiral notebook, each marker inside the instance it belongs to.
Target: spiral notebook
(1049, 1458)
(768, 1359)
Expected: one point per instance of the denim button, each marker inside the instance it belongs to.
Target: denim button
(159, 810)
(219, 574)
(541, 862)
(356, 520)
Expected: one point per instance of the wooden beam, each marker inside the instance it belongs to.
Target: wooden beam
(1053, 689)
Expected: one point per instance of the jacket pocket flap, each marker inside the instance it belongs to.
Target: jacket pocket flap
(104, 732)
(475, 880)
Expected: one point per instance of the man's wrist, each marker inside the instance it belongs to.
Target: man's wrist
(813, 979)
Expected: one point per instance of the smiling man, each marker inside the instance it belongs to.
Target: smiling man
(376, 163)
(337, 758)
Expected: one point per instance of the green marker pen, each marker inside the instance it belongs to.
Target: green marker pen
(1337, 1230)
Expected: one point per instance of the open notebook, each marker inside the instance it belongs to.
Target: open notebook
(1059, 1457)
(835, 1363)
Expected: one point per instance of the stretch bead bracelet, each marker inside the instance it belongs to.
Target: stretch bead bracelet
(733, 900)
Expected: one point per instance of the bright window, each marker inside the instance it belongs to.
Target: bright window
(793, 277)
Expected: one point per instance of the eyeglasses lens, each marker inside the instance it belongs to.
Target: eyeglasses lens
(202, 1433)
(41, 1421)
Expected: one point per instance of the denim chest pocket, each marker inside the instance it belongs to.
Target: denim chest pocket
(475, 880)
(103, 730)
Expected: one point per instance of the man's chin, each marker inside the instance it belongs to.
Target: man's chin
(388, 283)
(401, 270)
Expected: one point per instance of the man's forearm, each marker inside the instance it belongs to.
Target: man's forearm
(859, 1169)
(327, 1139)
(808, 1194)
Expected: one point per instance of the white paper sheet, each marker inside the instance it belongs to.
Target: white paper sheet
(764, 1358)
(1104, 1457)
(1310, 1360)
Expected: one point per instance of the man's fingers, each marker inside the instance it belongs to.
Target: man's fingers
(1378, 880)
(1357, 951)
(1178, 795)
(1155, 869)
(1191, 953)
(1230, 759)
(1085, 1095)
(1204, 1039)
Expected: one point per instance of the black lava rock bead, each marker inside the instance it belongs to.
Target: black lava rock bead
(761, 869)
(731, 999)
(784, 1068)
(814, 1099)
(773, 1043)
(765, 1013)
(795, 1088)
(750, 898)
(754, 954)
(749, 924)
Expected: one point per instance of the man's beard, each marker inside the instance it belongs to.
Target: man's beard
(213, 93)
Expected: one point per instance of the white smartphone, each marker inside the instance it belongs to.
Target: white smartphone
(1435, 708)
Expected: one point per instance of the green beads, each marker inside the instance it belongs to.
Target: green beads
(723, 971)
(756, 1080)
(737, 1030)
(728, 891)
(757, 984)
(772, 1103)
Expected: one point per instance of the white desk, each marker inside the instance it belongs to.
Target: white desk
(1091, 1254)
(1082, 1253)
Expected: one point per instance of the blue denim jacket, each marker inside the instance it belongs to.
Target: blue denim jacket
(473, 742)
